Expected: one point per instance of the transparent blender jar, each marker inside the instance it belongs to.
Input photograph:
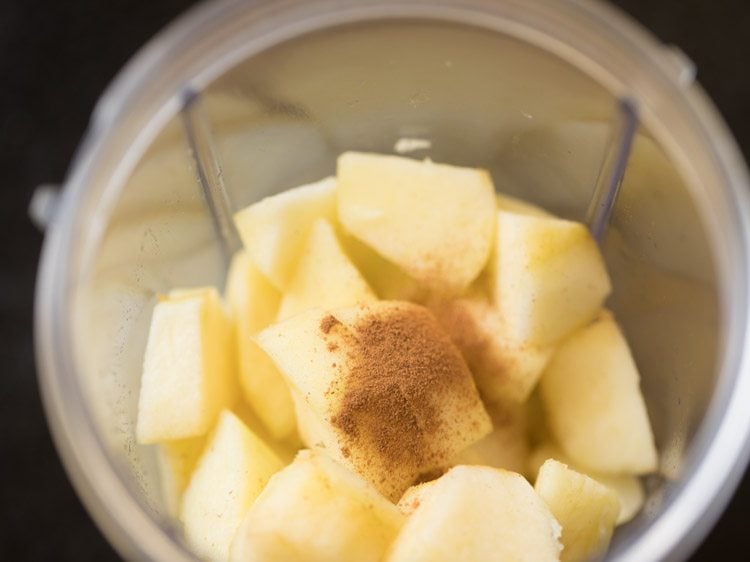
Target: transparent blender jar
(526, 89)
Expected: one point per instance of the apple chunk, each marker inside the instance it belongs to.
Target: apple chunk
(316, 510)
(594, 405)
(274, 230)
(478, 513)
(324, 277)
(586, 510)
(254, 303)
(382, 388)
(628, 488)
(547, 277)
(434, 221)
(188, 368)
(232, 471)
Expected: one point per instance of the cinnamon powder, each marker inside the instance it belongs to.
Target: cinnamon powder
(327, 323)
(401, 361)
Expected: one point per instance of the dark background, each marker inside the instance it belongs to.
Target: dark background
(56, 57)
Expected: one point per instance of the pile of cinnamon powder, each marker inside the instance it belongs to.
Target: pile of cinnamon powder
(400, 364)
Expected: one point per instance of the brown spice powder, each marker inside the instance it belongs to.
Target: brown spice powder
(402, 360)
(327, 323)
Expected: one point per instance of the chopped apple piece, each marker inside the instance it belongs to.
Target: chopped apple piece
(506, 447)
(478, 513)
(585, 509)
(547, 277)
(503, 368)
(434, 221)
(176, 461)
(325, 277)
(188, 369)
(628, 488)
(232, 471)
(316, 510)
(388, 393)
(254, 303)
(520, 207)
(594, 404)
(274, 230)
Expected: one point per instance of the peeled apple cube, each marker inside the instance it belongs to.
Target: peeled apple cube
(434, 221)
(176, 461)
(325, 277)
(231, 473)
(628, 488)
(317, 511)
(380, 387)
(503, 368)
(586, 510)
(548, 277)
(595, 409)
(254, 304)
(274, 230)
(188, 369)
(475, 513)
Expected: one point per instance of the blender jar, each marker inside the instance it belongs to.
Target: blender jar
(526, 89)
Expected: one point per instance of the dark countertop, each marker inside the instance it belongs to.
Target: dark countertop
(55, 60)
